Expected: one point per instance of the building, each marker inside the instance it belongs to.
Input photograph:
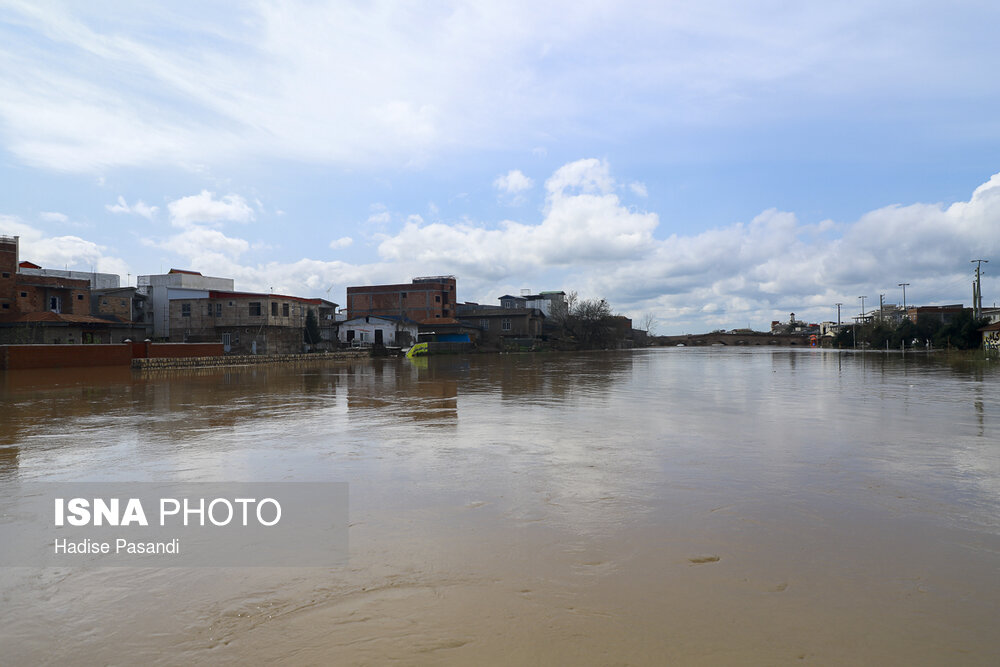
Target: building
(245, 322)
(49, 306)
(174, 285)
(24, 293)
(991, 337)
(96, 280)
(943, 313)
(427, 298)
(499, 324)
(123, 304)
(378, 330)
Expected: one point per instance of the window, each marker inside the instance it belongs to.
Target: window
(274, 309)
(437, 298)
(227, 339)
(6, 306)
(284, 310)
(255, 309)
(505, 324)
(484, 324)
(6, 275)
(24, 294)
(104, 302)
(55, 304)
(122, 302)
(230, 303)
(79, 297)
(185, 310)
(403, 294)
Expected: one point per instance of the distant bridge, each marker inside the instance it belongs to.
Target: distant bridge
(752, 338)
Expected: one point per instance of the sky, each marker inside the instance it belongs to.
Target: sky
(707, 165)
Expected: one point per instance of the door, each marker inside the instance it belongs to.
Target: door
(226, 342)
(378, 337)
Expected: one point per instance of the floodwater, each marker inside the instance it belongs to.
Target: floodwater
(669, 506)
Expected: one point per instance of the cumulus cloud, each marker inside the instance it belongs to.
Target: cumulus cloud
(139, 208)
(342, 242)
(60, 252)
(587, 240)
(514, 182)
(204, 208)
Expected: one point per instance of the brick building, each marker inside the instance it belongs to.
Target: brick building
(247, 322)
(427, 298)
(24, 293)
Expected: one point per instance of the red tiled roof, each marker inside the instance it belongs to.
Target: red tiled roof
(253, 295)
(28, 265)
(49, 316)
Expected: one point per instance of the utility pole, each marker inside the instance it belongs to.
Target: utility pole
(903, 285)
(977, 289)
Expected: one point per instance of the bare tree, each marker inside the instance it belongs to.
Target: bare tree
(648, 323)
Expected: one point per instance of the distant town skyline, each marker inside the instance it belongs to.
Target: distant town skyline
(718, 165)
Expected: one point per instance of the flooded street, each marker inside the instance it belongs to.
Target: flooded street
(667, 506)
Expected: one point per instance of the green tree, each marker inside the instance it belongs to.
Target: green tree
(311, 333)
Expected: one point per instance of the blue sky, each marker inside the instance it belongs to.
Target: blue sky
(714, 164)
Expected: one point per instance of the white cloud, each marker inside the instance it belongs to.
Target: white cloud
(638, 188)
(342, 242)
(87, 90)
(514, 182)
(53, 216)
(60, 252)
(585, 238)
(204, 208)
(139, 208)
(587, 176)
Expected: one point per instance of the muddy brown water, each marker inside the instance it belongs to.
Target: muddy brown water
(681, 506)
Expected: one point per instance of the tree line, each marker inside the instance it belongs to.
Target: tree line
(961, 332)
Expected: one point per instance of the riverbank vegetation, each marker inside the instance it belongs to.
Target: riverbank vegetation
(961, 333)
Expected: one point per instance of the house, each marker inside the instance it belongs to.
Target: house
(50, 306)
(123, 304)
(244, 322)
(385, 330)
(991, 337)
(23, 293)
(176, 284)
(496, 325)
(431, 297)
(944, 314)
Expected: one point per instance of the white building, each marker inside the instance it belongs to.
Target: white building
(177, 284)
(374, 329)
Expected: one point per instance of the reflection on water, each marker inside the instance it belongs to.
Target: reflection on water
(712, 506)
